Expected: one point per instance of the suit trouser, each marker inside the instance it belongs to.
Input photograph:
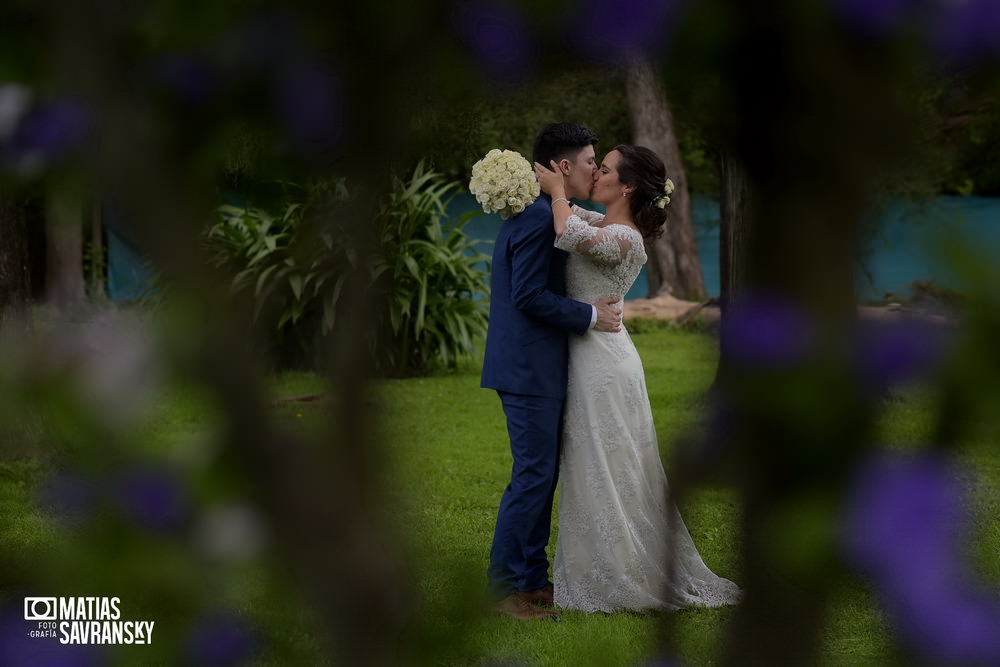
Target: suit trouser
(518, 561)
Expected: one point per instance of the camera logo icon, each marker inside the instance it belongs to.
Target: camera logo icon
(41, 609)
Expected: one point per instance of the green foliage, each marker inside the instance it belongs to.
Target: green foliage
(456, 136)
(431, 278)
(288, 266)
(954, 123)
(424, 271)
(95, 267)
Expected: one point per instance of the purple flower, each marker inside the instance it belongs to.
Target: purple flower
(309, 102)
(965, 32)
(499, 37)
(614, 30)
(69, 496)
(192, 79)
(221, 639)
(663, 661)
(49, 132)
(874, 17)
(904, 512)
(17, 647)
(903, 527)
(765, 331)
(890, 353)
(153, 498)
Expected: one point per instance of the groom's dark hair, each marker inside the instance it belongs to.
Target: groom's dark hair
(556, 141)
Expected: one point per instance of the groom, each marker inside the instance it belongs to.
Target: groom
(526, 363)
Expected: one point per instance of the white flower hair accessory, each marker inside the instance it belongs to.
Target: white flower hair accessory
(504, 182)
(663, 199)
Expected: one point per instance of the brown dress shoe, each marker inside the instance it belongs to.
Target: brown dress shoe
(516, 606)
(542, 597)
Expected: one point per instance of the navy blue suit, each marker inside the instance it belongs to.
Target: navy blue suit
(526, 363)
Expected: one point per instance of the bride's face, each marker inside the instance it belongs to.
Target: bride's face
(607, 186)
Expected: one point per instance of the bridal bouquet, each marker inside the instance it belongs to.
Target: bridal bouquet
(503, 182)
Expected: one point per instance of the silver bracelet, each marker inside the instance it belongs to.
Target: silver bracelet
(560, 199)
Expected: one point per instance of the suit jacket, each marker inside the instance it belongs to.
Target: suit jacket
(530, 317)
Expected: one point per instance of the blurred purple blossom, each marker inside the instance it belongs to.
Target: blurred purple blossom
(960, 31)
(663, 661)
(69, 496)
(894, 352)
(965, 32)
(18, 648)
(614, 30)
(875, 17)
(155, 498)
(903, 527)
(765, 331)
(500, 38)
(193, 79)
(221, 639)
(309, 102)
(48, 132)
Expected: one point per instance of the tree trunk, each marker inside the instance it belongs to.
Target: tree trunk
(812, 133)
(674, 266)
(64, 264)
(15, 268)
(734, 207)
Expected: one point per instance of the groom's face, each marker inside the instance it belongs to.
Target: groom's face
(580, 177)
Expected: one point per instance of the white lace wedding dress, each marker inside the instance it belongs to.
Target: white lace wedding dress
(620, 546)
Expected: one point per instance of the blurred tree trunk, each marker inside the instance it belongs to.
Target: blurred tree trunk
(64, 259)
(674, 266)
(735, 205)
(321, 490)
(15, 272)
(812, 135)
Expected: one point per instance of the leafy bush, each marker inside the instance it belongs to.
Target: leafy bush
(425, 273)
(431, 277)
(287, 266)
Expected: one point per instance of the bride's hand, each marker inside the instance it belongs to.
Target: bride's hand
(550, 180)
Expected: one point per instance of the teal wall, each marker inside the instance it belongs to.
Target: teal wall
(905, 248)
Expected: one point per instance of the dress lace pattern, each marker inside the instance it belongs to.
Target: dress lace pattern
(621, 545)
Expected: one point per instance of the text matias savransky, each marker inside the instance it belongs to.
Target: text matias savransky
(85, 620)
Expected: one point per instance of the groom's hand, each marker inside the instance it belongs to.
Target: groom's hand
(609, 315)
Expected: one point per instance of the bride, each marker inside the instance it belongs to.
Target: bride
(621, 545)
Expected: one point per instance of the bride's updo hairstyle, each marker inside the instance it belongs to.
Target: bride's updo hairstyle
(644, 170)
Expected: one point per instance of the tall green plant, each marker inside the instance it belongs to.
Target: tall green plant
(433, 279)
(427, 274)
(289, 268)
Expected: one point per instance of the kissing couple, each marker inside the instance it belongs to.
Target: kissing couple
(574, 396)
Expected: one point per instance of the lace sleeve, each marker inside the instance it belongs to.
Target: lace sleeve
(587, 215)
(603, 245)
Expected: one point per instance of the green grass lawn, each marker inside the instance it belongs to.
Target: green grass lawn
(453, 461)
(449, 464)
